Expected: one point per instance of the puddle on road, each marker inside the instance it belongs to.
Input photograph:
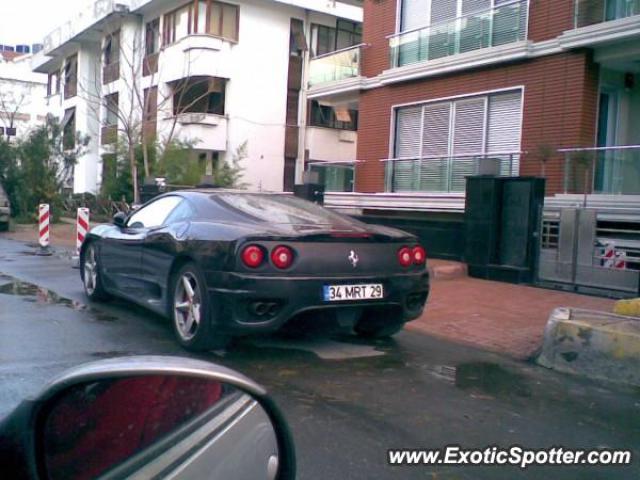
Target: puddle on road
(483, 377)
(35, 294)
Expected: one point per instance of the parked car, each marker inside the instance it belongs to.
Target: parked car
(226, 263)
(148, 417)
(5, 210)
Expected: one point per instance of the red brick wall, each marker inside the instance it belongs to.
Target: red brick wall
(379, 22)
(560, 102)
(547, 20)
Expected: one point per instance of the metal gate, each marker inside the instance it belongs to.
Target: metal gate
(583, 252)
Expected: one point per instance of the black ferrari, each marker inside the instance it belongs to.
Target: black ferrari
(226, 263)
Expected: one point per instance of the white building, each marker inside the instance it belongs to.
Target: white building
(216, 73)
(22, 103)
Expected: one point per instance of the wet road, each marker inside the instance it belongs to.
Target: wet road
(348, 401)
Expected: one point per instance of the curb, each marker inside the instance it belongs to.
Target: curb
(447, 271)
(595, 344)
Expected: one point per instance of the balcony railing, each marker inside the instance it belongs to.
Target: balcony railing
(335, 66)
(602, 170)
(590, 12)
(448, 174)
(501, 25)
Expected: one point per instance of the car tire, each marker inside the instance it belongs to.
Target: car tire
(376, 324)
(190, 311)
(92, 276)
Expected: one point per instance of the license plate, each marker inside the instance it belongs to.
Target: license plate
(343, 293)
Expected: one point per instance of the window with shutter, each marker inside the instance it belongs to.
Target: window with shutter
(449, 140)
(504, 128)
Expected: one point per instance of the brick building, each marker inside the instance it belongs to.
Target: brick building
(448, 88)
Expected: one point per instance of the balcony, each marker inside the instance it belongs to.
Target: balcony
(501, 25)
(591, 12)
(335, 66)
(447, 174)
(602, 170)
(208, 131)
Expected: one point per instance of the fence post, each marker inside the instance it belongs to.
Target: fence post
(43, 229)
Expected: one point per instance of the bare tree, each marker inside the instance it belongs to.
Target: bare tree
(129, 119)
(10, 104)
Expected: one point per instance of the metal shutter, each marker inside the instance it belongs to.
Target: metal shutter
(504, 126)
(442, 10)
(408, 123)
(468, 139)
(475, 29)
(435, 147)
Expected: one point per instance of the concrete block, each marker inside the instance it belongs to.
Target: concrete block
(630, 308)
(594, 344)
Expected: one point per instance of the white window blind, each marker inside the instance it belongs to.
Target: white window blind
(414, 14)
(442, 10)
(449, 139)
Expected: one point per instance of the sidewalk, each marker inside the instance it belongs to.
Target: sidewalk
(501, 317)
(61, 234)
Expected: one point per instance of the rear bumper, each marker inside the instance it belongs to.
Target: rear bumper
(236, 296)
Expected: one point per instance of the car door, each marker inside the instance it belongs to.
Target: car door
(159, 250)
(121, 251)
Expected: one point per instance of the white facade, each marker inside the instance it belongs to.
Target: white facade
(255, 69)
(22, 92)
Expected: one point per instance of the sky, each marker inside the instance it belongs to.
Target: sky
(29, 21)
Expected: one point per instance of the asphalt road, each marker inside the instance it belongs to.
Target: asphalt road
(347, 401)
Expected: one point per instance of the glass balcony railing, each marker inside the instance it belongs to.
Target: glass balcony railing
(448, 174)
(590, 12)
(603, 170)
(335, 66)
(503, 24)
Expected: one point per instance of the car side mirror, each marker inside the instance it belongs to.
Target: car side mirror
(120, 219)
(148, 417)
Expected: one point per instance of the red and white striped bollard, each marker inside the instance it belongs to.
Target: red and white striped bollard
(82, 228)
(43, 229)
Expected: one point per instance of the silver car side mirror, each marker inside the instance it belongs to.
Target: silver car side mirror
(148, 417)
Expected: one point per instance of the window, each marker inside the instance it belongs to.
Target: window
(53, 83)
(154, 214)
(199, 95)
(328, 39)
(69, 129)
(151, 47)
(335, 178)
(149, 125)
(152, 37)
(110, 116)
(71, 77)
(112, 48)
(202, 16)
(443, 142)
(330, 117)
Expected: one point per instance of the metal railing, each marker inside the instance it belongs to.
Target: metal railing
(591, 12)
(448, 174)
(602, 170)
(501, 25)
(335, 66)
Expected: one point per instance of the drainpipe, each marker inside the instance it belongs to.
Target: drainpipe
(302, 138)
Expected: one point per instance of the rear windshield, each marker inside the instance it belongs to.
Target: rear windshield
(277, 209)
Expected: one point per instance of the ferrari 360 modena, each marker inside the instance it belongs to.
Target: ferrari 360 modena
(222, 264)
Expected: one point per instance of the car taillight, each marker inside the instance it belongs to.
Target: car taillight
(282, 257)
(252, 256)
(405, 257)
(419, 255)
